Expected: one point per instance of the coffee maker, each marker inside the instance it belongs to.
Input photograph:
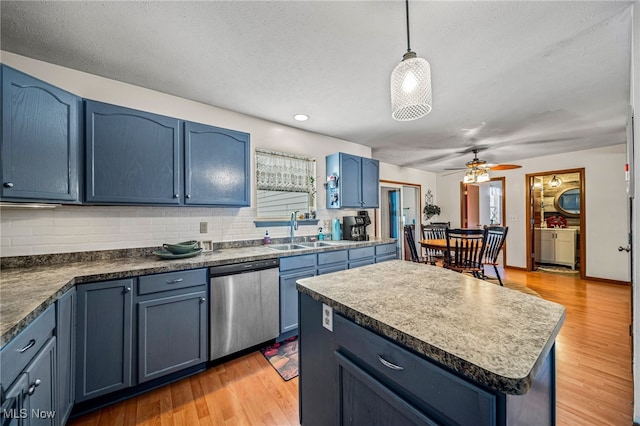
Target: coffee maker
(354, 228)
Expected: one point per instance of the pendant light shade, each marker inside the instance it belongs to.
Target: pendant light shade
(410, 85)
(555, 182)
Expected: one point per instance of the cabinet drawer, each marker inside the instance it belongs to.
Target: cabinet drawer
(385, 249)
(297, 262)
(428, 384)
(18, 352)
(171, 281)
(362, 252)
(332, 257)
(385, 258)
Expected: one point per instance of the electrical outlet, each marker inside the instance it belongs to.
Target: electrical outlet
(327, 317)
(204, 227)
(512, 219)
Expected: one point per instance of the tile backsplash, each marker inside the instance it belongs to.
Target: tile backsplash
(68, 229)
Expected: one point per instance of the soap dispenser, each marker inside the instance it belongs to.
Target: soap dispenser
(320, 234)
(267, 238)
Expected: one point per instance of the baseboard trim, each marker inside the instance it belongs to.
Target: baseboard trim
(607, 281)
(516, 268)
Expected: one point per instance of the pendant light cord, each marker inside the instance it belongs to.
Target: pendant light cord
(408, 40)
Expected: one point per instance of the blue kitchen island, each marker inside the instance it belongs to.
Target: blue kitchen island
(400, 343)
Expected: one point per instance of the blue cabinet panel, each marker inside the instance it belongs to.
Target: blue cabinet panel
(132, 157)
(216, 166)
(66, 343)
(40, 140)
(172, 334)
(103, 339)
(289, 299)
(42, 386)
(357, 183)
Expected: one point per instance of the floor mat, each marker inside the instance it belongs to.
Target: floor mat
(283, 357)
(558, 269)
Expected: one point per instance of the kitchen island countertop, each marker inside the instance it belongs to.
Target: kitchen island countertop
(487, 333)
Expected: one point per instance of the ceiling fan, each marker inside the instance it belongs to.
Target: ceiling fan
(476, 164)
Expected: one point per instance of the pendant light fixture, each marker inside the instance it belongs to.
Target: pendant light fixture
(410, 85)
(555, 182)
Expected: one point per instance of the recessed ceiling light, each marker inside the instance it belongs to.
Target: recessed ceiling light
(301, 117)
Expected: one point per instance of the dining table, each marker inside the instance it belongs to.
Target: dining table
(436, 244)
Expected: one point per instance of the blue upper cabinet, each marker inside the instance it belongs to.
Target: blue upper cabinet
(216, 166)
(132, 157)
(357, 182)
(40, 140)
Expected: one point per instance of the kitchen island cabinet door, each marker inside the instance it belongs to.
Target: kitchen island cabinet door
(66, 343)
(216, 166)
(40, 140)
(172, 334)
(132, 157)
(103, 340)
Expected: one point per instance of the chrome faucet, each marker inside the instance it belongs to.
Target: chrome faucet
(294, 225)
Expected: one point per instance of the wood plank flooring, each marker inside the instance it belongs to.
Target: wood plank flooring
(594, 378)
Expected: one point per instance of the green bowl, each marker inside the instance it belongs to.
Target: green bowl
(181, 248)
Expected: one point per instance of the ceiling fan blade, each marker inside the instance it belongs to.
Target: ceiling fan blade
(456, 168)
(505, 167)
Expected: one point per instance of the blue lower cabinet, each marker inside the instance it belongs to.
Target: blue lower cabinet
(172, 334)
(43, 387)
(103, 339)
(289, 299)
(132, 157)
(361, 257)
(216, 166)
(66, 343)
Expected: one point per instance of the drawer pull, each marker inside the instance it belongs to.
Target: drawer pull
(32, 388)
(29, 346)
(389, 364)
(177, 280)
(127, 289)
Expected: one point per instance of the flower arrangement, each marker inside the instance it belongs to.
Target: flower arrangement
(430, 209)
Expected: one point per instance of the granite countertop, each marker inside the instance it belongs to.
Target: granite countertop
(27, 291)
(490, 334)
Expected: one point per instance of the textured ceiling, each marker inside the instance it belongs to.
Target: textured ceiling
(517, 79)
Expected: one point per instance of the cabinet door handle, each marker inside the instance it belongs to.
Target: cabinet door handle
(8, 185)
(176, 195)
(389, 364)
(32, 388)
(188, 195)
(29, 346)
(127, 289)
(202, 300)
(177, 280)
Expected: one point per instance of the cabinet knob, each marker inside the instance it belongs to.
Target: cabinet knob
(188, 195)
(202, 300)
(32, 388)
(176, 195)
(127, 289)
(8, 185)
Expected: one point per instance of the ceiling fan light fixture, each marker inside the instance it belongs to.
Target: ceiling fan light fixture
(410, 85)
(555, 182)
(483, 176)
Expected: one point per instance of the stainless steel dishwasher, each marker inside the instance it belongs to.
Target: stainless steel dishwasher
(245, 306)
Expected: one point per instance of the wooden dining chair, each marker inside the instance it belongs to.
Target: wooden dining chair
(465, 250)
(411, 243)
(433, 232)
(493, 243)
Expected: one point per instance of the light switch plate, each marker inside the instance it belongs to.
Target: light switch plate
(327, 317)
(204, 227)
(206, 245)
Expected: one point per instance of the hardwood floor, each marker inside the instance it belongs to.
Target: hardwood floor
(594, 377)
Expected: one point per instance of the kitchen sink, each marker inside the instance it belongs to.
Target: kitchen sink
(285, 247)
(317, 244)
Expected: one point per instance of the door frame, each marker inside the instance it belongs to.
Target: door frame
(529, 178)
(376, 212)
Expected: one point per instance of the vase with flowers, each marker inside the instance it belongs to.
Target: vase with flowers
(430, 210)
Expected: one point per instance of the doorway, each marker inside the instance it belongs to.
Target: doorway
(399, 206)
(484, 204)
(556, 237)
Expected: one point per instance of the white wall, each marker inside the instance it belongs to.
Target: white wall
(78, 228)
(605, 198)
(635, 102)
